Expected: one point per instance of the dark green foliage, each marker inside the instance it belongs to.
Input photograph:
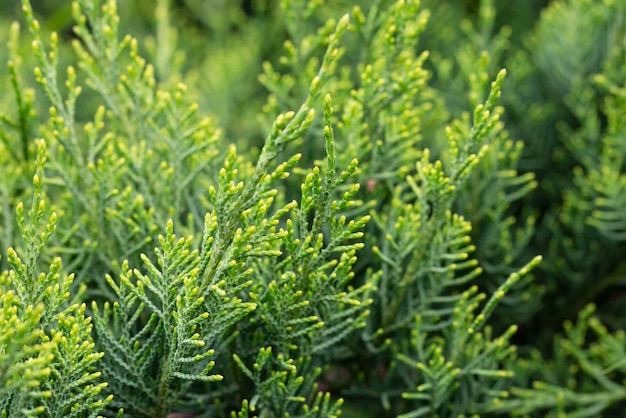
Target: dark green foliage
(266, 208)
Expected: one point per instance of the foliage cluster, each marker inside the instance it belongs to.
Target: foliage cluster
(308, 208)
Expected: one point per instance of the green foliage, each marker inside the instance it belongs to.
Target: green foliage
(583, 380)
(48, 354)
(356, 231)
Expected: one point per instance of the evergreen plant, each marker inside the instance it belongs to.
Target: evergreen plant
(308, 208)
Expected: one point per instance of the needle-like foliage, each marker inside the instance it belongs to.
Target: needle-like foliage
(312, 209)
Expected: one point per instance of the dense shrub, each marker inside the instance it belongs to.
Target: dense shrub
(307, 208)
